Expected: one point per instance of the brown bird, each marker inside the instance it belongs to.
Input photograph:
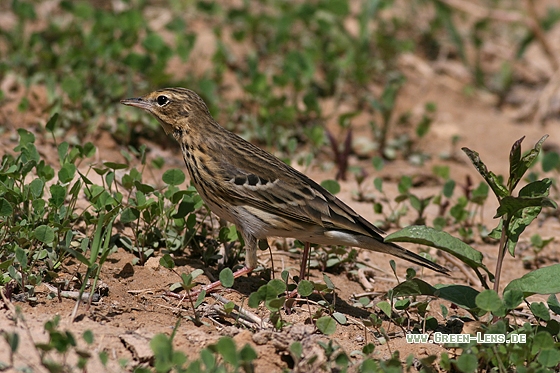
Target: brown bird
(260, 194)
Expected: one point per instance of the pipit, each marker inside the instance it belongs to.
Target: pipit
(260, 194)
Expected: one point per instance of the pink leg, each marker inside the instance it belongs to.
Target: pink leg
(210, 287)
(215, 285)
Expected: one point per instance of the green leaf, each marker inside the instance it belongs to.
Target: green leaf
(226, 278)
(448, 188)
(488, 300)
(371, 365)
(510, 205)
(423, 235)
(414, 286)
(340, 318)
(129, 215)
(480, 194)
(540, 311)
(512, 298)
(278, 286)
(536, 188)
(540, 281)
(331, 185)
(143, 188)
(78, 255)
(378, 184)
(328, 282)
(326, 325)
(519, 165)
(197, 272)
(461, 295)
(550, 161)
(187, 281)
(72, 86)
(264, 293)
(6, 208)
(115, 166)
(247, 353)
(13, 341)
(167, 261)
(200, 298)
(58, 195)
(226, 347)
(44, 234)
(522, 218)
(530, 158)
(542, 341)
(549, 358)
(296, 350)
(515, 166)
(153, 43)
(423, 126)
(337, 7)
(402, 304)
(25, 137)
(497, 187)
(45, 171)
(385, 307)
(88, 150)
(66, 173)
(162, 347)
(51, 124)
(173, 176)
(21, 257)
(62, 152)
(208, 360)
(76, 188)
(378, 163)
(467, 363)
(88, 336)
(405, 183)
(276, 304)
(553, 304)
(305, 288)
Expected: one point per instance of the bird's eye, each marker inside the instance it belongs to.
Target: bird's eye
(162, 100)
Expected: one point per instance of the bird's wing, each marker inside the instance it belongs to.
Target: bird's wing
(278, 189)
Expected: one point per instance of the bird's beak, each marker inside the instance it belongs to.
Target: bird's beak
(137, 102)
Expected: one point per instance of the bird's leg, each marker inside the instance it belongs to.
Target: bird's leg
(210, 288)
(216, 284)
(251, 262)
(304, 260)
(302, 268)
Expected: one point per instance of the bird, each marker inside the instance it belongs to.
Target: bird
(251, 188)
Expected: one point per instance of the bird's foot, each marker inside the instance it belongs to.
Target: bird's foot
(210, 288)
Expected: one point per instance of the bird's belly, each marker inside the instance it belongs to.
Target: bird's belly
(262, 224)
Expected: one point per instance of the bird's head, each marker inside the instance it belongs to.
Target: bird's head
(174, 108)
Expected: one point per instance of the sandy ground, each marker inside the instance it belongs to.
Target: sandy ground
(136, 307)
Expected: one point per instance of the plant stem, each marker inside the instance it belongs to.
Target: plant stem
(501, 254)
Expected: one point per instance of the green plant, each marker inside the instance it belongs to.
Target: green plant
(538, 244)
(222, 356)
(62, 342)
(86, 69)
(515, 213)
(37, 220)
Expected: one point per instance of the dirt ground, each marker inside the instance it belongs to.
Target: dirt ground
(136, 307)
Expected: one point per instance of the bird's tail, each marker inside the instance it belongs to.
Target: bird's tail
(401, 252)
